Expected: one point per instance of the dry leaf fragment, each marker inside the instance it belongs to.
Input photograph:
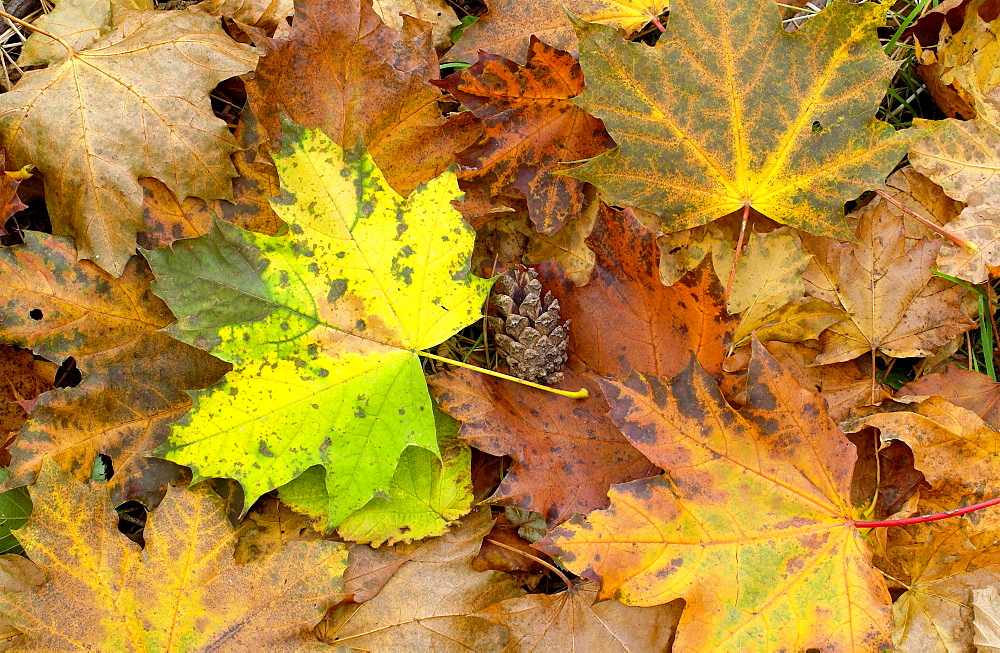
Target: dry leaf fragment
(986, 619)
(123, 598)
(430, 603)
(574, 620)
(532, 129)
(134, 104)
(971, 390)
(508, 27)
(568, 246)
(77, 22)
(267, 15)
(436, 12)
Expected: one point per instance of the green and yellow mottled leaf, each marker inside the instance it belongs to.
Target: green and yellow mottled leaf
(751, 525)
(323, 326)
(15, 506)
(425, 498)
(729, 109)
(182, 592)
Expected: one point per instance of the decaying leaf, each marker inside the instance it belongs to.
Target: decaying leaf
(267, 15)
(268, 527)
(437, 12)
(952, 446)
(510, 24)
(134, 377)
(896, 305)
(986, 619)
(971, 390)
(532, 129)
(574, 620)
(730, 110)
(124, 598)
(79, 23)
(22, 380)
(431, 602)
(134, 104)
(342, 70)
(322, 326)
(751, 526)
(568, 246)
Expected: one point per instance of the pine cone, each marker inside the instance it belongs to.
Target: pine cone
(528, 332)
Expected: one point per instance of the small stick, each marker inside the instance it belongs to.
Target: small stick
(582, 393)
(659, 25)
(739, 249)
(962, 242)
(926, 518)
(52, 36)
(562, 576)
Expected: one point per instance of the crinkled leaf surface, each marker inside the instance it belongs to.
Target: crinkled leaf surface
(183, 591)
(431, 601)
(21, 382)
(322, 326)
(531, 129)
(508, 27)
(971, 390)
(751, 526)
(437, 12)
(729, 109)
(79, 23)
(343, 70)
(134, 104)
(134, 377)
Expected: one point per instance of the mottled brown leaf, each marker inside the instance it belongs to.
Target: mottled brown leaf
(971, 390)
(134, 377)
(531, 129)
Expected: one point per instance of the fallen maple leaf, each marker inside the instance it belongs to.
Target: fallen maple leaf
(952, 446)
(342, 70)
(896, 305)
(134, 377)
(267, 15)
(574, 620)
(706, 124)
(126, 598)
(986, 618)
(323, 326)
(430, 602)
(134, 104)
(966, 388)
(751, 525)
(532, 129)
(20, 379)
(508, 27)
(568, 246)
(437, 12)
(940, 566)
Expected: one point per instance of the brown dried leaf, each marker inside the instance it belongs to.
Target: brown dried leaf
(971, 390)
(436, 12)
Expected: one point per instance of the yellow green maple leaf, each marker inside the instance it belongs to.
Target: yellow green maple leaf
(323, 326)
(88, 587)
(729, 110)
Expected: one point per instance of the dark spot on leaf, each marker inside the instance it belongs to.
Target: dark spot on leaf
(360, 325)
(264, 451)
(35, 314)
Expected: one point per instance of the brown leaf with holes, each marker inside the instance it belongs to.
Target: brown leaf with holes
(574, 620)
(341, 69)
(532, 128)
(134, 376)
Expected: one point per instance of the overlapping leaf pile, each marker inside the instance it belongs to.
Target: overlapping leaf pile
(239, 403)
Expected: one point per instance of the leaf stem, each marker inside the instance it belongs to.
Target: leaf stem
(582, 393)
(955, 238)
(22, 23)
(562, 576)
(739, 249)
(926, 518)
(659, 25)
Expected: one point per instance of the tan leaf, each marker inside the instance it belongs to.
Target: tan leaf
(986, 619)
(135, 104)
(981, 225)
(574, 620)
(184, 590)
(79, 23)
(896, 305)
(430, 602)
(265, 14)
(436, 12)
(568, 246)
(963, 157)
(972, 390)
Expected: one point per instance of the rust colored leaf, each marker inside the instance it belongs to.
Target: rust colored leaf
(341, 69)
(954, 448)
(531, 129)
(510, 24)
(20, 379)
(10, 203)
(625, 319)
(751, 526)
(567, 456)
(134, 376)
(430, 602)
(971, 390)
(574, 620)
(124, 598)
(896, 305)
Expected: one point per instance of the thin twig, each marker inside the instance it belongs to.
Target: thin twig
(926, 518)
(15, 19)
